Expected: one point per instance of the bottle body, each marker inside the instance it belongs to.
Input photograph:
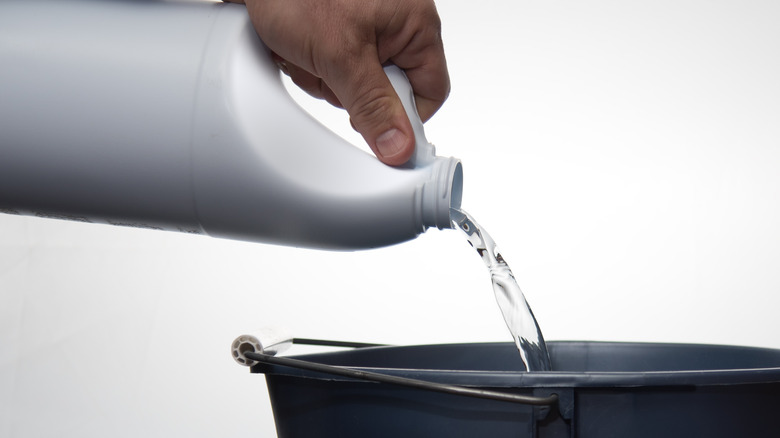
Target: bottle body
(173, 116)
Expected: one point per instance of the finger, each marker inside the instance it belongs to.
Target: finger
(431, 87)
(428, 75)
(420, 54)
(309, 83)
(374, 109)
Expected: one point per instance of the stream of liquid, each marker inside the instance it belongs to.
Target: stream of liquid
(517, 314)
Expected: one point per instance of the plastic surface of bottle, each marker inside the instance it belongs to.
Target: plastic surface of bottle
(171, 115)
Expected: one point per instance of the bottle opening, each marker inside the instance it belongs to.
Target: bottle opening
(456, 190)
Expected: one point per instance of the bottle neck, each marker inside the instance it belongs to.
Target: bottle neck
(440, 193)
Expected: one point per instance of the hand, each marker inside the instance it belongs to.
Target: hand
(334, 50)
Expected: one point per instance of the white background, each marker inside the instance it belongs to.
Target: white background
(624, 155)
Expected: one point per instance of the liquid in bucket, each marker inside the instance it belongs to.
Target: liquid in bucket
(517, 313)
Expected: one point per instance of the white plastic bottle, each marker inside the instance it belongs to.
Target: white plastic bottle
(171, 115)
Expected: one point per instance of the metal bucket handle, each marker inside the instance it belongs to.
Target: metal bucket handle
(394, 380)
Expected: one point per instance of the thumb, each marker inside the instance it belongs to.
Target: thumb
(376, 112)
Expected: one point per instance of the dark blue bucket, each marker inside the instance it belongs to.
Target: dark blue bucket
(603, 389)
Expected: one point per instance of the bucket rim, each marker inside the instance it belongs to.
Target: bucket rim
(551, 379)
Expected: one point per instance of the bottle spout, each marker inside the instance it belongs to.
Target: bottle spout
(444, 188)
(442, 192)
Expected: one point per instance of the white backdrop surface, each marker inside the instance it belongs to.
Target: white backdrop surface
(624, 155)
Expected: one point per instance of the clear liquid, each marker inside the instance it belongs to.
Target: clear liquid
(517, 314)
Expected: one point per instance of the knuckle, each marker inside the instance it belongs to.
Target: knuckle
(371, 109)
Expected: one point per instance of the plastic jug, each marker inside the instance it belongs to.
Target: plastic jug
(172, 115)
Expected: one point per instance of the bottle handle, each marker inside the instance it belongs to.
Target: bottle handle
(424, 152)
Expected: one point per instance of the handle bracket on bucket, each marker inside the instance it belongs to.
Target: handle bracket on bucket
(403, 381)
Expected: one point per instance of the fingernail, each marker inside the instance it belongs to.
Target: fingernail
(390, 143)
